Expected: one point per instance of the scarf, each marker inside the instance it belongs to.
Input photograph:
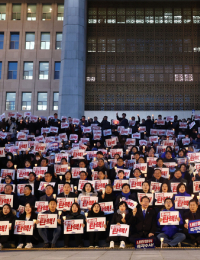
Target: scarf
(122, 212)
(126, 195)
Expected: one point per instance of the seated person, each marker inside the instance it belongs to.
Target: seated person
(67, 192)
(192, 214)
(157, 176)
(125, 193)
(48, 193)
(27, 197)
(178, 177)
(48, 233)
(8, 190)
(143, 221)
(170, 233)
(119, 165)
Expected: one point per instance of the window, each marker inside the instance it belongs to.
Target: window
(0, 68)
(2, 12)
(42, 101)
(45, 41)
(57, 70)
(55, 100)
(30, 40)
(58, 41)
(46, 12)
(26, 101)
(14, 40)
(16, 12)
(12, 70)
(31, 12)
(1, 40)
(10, 100)
(44, 70)
(28, 70)
(60, 15)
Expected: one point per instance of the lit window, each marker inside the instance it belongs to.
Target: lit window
(30, 40)
(31, 12)
(28, 70)
(42, 101)
(45, 41)
(16, 12)
(10, 100)
(2, 12)
(46, 12)
(60, 15)
(44, 70)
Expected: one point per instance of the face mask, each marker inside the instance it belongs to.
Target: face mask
(37, 158)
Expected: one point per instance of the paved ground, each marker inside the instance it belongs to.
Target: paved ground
(101, 254)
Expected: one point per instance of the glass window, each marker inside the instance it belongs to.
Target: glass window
(58, 41)
(31, 12)
(57, 70)
(0, 68)
(60, 15)
(14, 40)
(44, 70)
(26, 100)
(28, 70)
(12, 70)
(2, 12)
(30, 40)
(16, 12)
(42, 101)
(46, 12)
(45, 41)
(10, 100)
(55, 100)
(1, 40)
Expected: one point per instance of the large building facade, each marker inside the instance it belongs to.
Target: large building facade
(116, 56)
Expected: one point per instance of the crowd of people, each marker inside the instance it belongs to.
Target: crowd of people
(81, 179)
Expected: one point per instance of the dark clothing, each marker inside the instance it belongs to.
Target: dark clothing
(27, 199)
(70, 195)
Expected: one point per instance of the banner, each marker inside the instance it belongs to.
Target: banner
(121, 230)
(6, 199)
(41, 206)
(78, 154)
(126, 172)
(182, 202)
(43, 185)
(20, 188)
(101, 184)
(73, 137)
(107, 207)
(186, 141)
(60, 169)
(53, 129)
(87, 201)
(4, 228)
(160, 122)
(76, 172)
(196, 186)
(141, 166)
(194, 157)
(5, 172)
(168, 143)
(155, 186)
(23, 173)
(96, 224)
(116, 151)
(39, 147)
(174, 186)
(91, 155)
(144, 243)
(21, 136)
(136, 184)
(131, 203)
(40, 171)
(142, 129)
(136, 135)
(60, 188)
(149, 195)
(182, 124)
(23, 146)
(161, 196)
(45, 130)
(194, 226)
(64, 125)
(107, 132)
(2, 186)
(118, 184)
(64, 203)
(153, 139)
(47, 221)
(59, 156)
(151, 161)
(169, 218)
(23, 227)
(73, 226)
(2, 152)
(130, 141)
(130, 164)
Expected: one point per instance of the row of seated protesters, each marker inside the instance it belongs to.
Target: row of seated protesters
(144, 220)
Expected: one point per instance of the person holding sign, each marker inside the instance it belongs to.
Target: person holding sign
(170, 233)
(7, 215)
(121, 216)
(126, 193)
(87, 190)
(181, 191)
(143, 221)
(28, 197)
(95, 212)
(8, 190)
(51, 235)
(75, 213)
(192, 214)
(157, 176)
(119, 165)
(28, 215)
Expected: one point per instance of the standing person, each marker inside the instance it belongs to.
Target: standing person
(123, 121)
(28, 215)
(170, 233)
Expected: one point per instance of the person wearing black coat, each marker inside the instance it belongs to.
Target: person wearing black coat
(121, 216)
(66, 192)
(8, 190)
(126, 193)
(157, 177)
(75, 213)
(143, 221)
(192, 214)
(7, 215)
(27, 197)
(95, 212)
(28, 215)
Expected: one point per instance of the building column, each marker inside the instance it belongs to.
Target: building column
(73, 59)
